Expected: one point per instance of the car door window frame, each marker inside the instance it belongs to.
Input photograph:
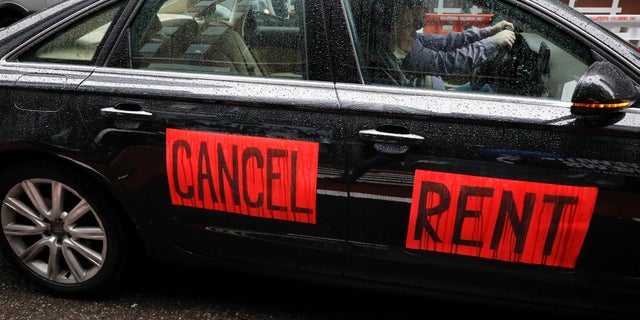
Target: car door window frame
(546, 34)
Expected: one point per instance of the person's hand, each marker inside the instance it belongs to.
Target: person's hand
(504, 38)
(500, 26)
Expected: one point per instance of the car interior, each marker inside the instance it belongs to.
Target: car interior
(265, 38)
(249, 37)
(187, 35)
(547, 63)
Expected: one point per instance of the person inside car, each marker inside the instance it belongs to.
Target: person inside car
(401, 56)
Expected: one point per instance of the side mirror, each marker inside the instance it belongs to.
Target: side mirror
(602, 89)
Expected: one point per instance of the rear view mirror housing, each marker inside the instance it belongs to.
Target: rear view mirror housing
(603, 88)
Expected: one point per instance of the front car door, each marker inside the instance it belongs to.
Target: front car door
(494, 194)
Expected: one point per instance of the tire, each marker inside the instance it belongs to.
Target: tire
(60, 231)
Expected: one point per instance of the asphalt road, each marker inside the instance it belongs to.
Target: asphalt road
(163, 292)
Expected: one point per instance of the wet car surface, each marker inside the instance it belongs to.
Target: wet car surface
(262, 140)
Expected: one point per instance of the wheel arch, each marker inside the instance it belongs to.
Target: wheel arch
(13, 7)
(23, 157)
(10, 9)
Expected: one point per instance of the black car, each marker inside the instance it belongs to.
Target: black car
(266, 142)
(14, 10)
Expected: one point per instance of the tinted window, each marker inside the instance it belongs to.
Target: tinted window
(455, 48)
(246, 38)
(76, 44)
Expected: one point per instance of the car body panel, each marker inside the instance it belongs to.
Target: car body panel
(323, 173)
(136, 148)
(478, 146)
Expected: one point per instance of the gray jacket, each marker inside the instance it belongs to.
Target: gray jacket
(453, 53)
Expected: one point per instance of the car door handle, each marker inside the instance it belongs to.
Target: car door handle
(391, 135)
(126, 110)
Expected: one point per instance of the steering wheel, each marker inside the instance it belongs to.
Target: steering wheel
(518, 70)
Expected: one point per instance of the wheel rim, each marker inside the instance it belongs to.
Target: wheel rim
(53, 231)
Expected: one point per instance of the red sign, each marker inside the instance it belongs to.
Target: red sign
(261, 177)
(507, 220)
(443, 23)
(631, 18)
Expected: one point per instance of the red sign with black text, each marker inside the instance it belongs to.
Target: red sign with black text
(499, 219)
(260, 177)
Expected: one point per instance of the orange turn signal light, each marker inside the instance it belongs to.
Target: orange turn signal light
(602, 105)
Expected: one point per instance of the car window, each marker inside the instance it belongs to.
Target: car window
(77, 44)
(250, 38)
(457, 47)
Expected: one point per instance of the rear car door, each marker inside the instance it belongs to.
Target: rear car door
(52, 73)
(227, 152)
(492, 194)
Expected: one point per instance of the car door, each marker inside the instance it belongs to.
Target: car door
(497, 194)
(224, 157)
(55, 83)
